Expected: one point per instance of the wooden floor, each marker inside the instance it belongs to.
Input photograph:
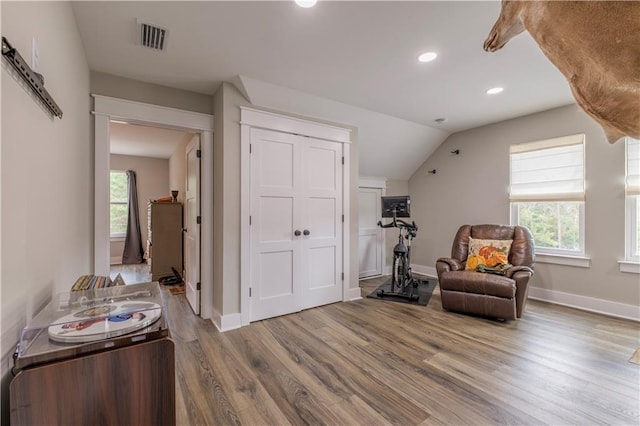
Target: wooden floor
(373, 362)
(132, 274)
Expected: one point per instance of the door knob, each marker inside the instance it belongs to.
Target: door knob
(306, 232)
(297, 232)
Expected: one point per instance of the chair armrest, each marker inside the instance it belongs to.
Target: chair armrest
(509, 273)
(453, 264)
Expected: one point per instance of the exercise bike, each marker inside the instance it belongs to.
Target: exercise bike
(403, 285)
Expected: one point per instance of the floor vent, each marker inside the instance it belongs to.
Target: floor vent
(152, 36)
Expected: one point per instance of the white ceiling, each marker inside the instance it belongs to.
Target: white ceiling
(144, 141)
(358, 53)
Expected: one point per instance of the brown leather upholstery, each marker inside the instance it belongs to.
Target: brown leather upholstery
(487, 294)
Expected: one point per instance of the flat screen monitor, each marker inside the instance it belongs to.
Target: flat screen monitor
(401, 205)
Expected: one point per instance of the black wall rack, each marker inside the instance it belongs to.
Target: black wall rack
(33, 79)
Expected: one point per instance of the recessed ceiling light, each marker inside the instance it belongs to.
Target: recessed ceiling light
(427, 56)
(306, 3)
(494, 90)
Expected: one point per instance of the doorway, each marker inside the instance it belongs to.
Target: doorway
(107, 109)
(157, 156)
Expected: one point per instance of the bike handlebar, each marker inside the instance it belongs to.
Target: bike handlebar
(399, 223)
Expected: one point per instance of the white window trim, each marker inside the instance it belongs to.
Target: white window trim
(566, 260)
(629, 266)
(631, 229)
(631, 261)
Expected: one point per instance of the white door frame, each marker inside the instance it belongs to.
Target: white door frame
(254, 118)
(107, 108)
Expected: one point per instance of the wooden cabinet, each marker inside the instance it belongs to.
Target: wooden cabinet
(104, 369)
(164, 243)
(132, 385)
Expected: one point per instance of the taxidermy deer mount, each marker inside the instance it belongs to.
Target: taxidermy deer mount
(594, 44)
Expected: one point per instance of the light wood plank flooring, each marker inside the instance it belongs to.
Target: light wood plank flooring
(373, 362)
(132, 274)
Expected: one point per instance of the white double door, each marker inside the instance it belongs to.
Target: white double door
(296, 223)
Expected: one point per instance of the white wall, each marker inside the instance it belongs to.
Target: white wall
(472, 188)
(152, 178)
(46, 164)
(134, 90)
(177, 168)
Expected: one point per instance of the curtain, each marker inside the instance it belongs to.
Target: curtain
(133, 252)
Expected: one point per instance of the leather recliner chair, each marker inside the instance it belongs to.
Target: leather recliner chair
(486, 294)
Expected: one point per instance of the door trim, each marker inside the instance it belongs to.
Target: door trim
(106, 108)
(249, 118)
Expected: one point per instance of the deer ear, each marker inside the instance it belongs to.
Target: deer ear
(613, 135)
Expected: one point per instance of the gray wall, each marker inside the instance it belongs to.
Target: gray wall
(47, 175)
(133, 90)
(472, 188)
(226, 202)
(152, 178)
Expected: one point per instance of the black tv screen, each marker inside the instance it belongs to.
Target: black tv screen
(401, 204)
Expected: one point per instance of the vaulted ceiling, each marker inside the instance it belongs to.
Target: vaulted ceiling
(358, 53)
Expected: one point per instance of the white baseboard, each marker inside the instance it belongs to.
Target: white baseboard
(591, 304)
(429, 271)
(115, 261)
(226, 322)
(351, 294)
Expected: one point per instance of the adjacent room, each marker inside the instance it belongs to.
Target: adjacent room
(320, 212)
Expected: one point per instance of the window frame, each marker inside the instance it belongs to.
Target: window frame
(632, 254)
(550, 253)
(120, 235)
(551, 250)
(632, 207)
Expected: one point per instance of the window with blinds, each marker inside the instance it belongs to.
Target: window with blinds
(632, 190)
(547, 192)
(118, 195)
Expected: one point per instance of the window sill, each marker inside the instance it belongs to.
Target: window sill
(557, 259)
(117, 239)
(630, 266)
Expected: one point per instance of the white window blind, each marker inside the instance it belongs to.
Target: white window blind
(548, 170)
(633, 166)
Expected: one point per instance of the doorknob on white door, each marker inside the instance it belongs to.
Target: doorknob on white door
(306, 232)
(297, 232)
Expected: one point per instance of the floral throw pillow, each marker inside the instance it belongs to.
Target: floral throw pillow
(487, 252)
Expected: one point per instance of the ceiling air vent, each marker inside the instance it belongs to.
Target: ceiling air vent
(152, 36)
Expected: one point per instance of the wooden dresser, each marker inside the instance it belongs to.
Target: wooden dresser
(110, 379)
(164, 244)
